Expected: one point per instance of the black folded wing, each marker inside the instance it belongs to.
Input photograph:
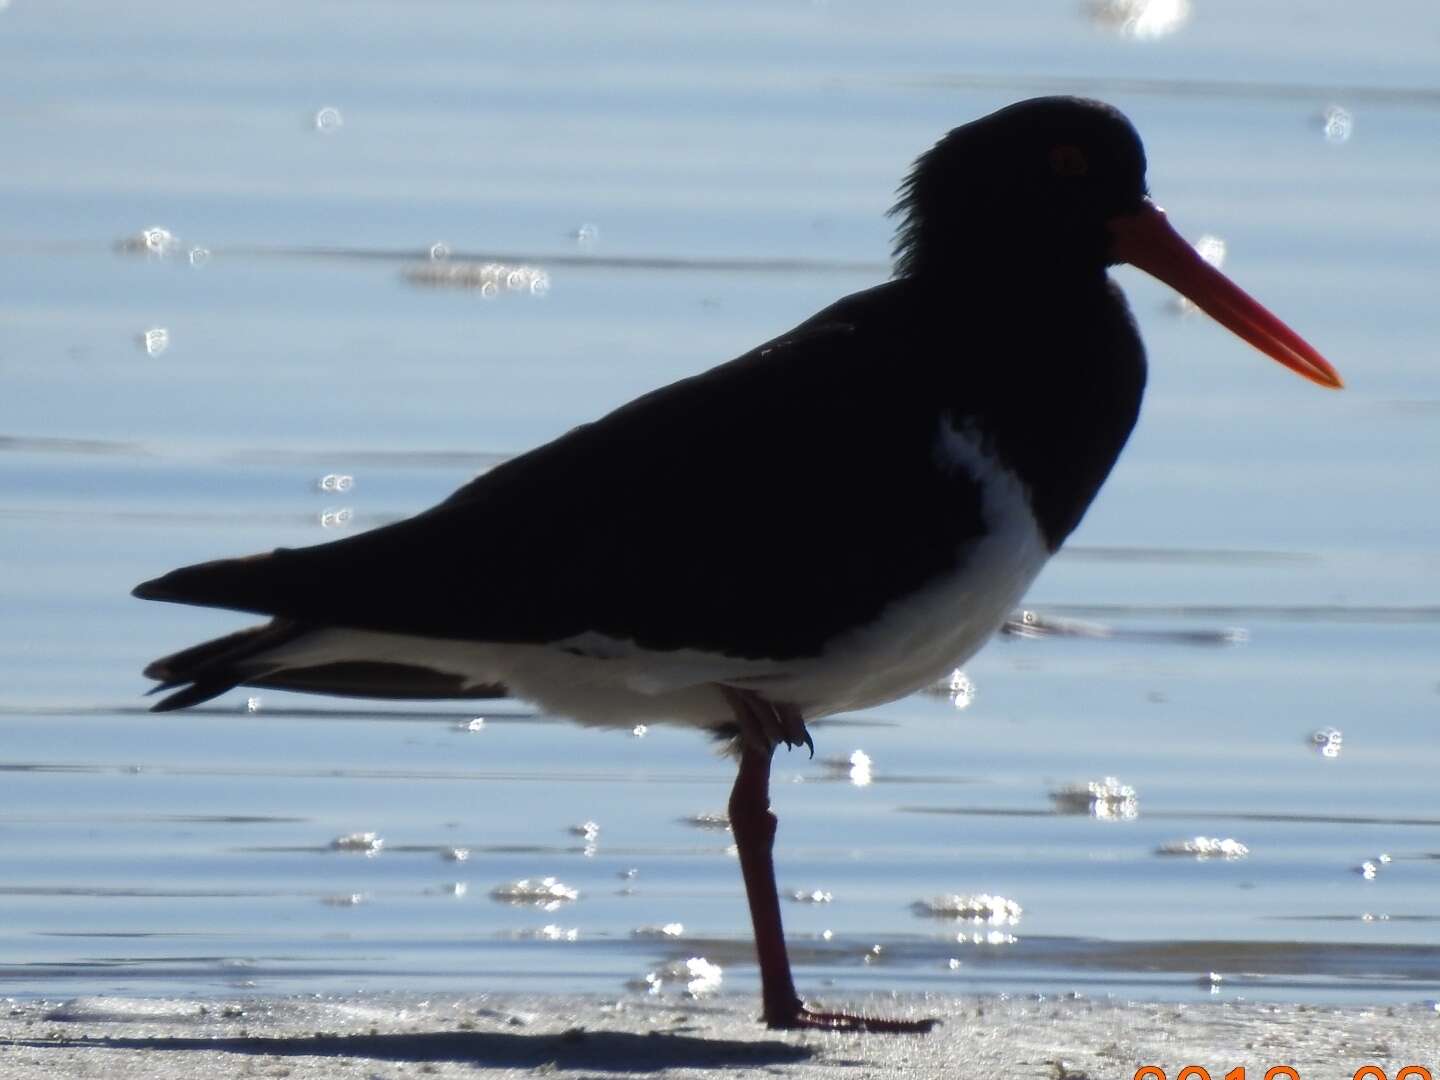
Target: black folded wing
(755, 510)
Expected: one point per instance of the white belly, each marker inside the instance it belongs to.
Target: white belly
(916, 640)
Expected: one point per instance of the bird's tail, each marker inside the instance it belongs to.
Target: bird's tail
(257, 657)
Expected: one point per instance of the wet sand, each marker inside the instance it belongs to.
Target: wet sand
(982, 1037)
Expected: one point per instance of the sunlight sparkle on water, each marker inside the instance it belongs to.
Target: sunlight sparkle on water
(545, 893)
(1370, 868)
(328, 120)
(332, 482)
(667, 930)
(1141, 18)
(962, 690)
(1034, 624)
(958, 688)
(344, 900)
(154, 341)
(812, 896)
(1337, 124)
(1212, 250)
(1205, 847)
(696, 975)
(367, 843)
(977, 908)
(1328, 742)
(1107, 799)
(861, 774)
(551, 932)
(156, 241)
(489, 279)
(857, 768)
(708, 821)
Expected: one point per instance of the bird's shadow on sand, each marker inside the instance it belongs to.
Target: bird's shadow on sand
(599, 1051)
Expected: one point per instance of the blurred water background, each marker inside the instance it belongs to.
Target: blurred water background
(1244, 634)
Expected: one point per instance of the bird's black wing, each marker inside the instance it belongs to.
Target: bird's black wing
(750, 511)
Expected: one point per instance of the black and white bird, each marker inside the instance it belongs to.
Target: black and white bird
(835, 519)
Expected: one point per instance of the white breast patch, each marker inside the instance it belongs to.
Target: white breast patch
(922, 637)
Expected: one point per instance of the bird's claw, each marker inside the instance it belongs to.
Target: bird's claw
(765, 724)
(791, 728)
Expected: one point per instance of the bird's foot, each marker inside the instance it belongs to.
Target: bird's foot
(765, 724)
(814, 1020)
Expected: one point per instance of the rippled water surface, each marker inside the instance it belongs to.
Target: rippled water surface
(629, 193)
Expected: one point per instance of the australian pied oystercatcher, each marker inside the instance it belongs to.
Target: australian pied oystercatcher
(833, 520)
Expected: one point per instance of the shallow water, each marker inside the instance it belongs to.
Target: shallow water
(192, 853)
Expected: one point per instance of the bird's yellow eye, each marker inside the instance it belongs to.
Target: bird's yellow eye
(1067, 160)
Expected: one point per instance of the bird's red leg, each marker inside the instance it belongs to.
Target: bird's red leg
(753, 826)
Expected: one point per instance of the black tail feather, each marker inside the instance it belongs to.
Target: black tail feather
(209, 669)
(185, 665)
(377, 679)
(193, 694)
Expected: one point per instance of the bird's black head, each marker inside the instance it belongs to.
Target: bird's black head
(1032, 184)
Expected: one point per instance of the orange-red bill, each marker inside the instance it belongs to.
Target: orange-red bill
(1145, 239)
